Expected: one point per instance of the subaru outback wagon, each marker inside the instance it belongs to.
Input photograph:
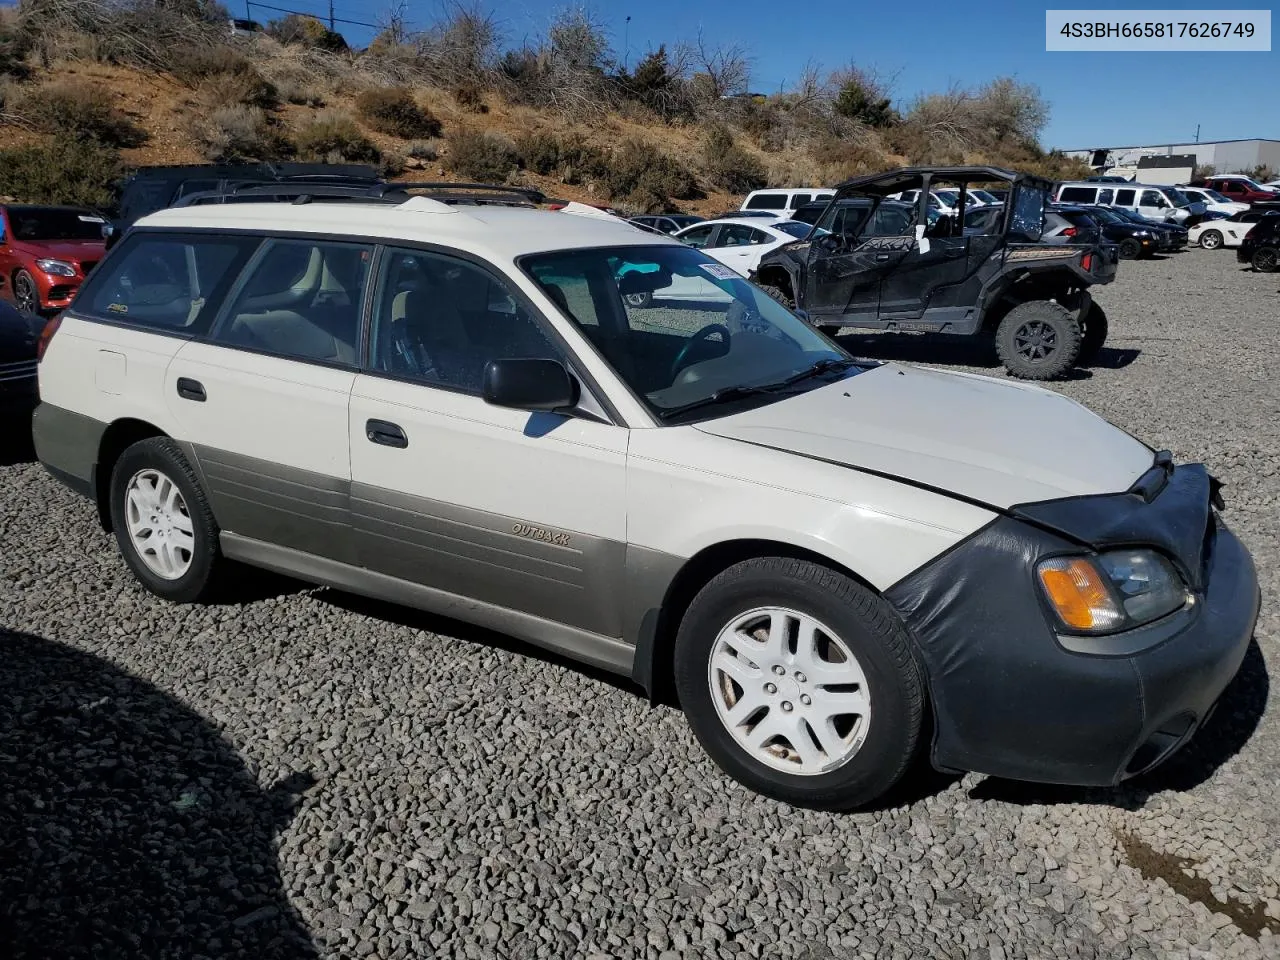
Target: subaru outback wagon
(834, 564)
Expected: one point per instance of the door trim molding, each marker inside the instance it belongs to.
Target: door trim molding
(608, 653)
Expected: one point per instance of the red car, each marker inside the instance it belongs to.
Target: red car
(1241, 189)
(46, 252)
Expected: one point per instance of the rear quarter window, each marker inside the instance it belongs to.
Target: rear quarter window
(165, 281)
(1078, 194)
(767, 201)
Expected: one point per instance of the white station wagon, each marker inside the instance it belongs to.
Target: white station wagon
(836, 565)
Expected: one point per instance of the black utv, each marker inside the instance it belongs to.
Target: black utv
(875, 262)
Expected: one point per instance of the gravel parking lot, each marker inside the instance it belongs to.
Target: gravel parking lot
(308, 774)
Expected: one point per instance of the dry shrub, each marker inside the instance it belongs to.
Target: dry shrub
(394, 111)
(484, 156)
(71, 108)
(427, 150)
(643, 176)
(238, 133)
(225, 76)
(840, 159)
(728, 165)
(73, 171)
(470, 96)
(331, 136)
(569, 158)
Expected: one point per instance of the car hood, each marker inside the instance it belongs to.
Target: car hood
(980, 439)
(74, 250)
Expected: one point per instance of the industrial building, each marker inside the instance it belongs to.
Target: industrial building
(1225, 156)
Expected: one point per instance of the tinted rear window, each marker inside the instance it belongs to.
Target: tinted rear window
(1078, 194)
(767, 201)
(54, 223)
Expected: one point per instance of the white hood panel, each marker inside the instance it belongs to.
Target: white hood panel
(989, 440)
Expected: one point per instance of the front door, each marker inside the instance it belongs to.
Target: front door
(267, 395)
(523, 511)
(848, 263)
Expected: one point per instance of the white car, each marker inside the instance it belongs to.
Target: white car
(836, 563)
(740, 242)
(1212, 234)
(1213, 201)
(946, 200)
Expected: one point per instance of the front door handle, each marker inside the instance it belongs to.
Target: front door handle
(386, 434)
(189, 389)
(881, 256)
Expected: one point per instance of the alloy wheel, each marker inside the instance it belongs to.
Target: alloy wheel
(789, 691)
(24, 293)
(1211, 240)
(160, 528)
(1265, 260)
(1035, 340)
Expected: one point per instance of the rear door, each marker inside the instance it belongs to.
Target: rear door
(739, 246)
(263, 397)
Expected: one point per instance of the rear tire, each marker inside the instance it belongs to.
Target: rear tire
(778, 294)
(1094, 334)
(1038, 340)
(1211, 239)
(1130, 249)
(838, 720)
(1265, 259)
(163, 524)
(640, 301)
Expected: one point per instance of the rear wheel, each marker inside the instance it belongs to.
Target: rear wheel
(1038, 340)
(1130, 249)
(782, 296)
(1265, 259)
(1094, 334)
(800, 683)
(1211, 239)
(638, 300)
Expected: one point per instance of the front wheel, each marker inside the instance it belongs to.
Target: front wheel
(1130, 249)
(800, 683)
(1211, 239)
(1038, 340)
(778, 294)
(163, 523)
(25, 294)
(1265, 259)
(638, 300)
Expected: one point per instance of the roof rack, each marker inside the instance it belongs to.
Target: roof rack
(305, 189)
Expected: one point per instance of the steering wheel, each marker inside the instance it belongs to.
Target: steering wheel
(682, 358)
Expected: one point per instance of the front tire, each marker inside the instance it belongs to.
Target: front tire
(639, 301)
(778, 294)
(163, 524)
(1130, 249)
(25, 293)
(1038, 340)
(1211, 239)
(1094, 334)
(800, 683)
(1265, 259)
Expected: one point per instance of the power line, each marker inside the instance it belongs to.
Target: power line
(302, 13)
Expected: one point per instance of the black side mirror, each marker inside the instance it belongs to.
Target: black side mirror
(528, 384)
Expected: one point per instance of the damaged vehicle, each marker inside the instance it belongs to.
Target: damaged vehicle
(837, 567)
(893, 267)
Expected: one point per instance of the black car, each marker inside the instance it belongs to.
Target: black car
(1133, 240)
(1261, 246)
(666, 222)
(887, 265)
(1173, 235)
(19, 341)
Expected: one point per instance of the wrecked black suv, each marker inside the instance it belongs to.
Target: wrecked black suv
(876, 262)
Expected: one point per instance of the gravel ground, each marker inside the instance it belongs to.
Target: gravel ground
(307, 774)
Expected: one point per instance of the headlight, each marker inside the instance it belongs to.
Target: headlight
(56, 268)
(1114, 591)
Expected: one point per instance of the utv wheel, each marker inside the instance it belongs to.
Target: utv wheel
(1211, 239)
(1094, 334)
(1130, 249)
(800, 683)
(1038, 340)
(638, 300)
(25, 295)
(1265, 259)
(163, 523)
(778, 294)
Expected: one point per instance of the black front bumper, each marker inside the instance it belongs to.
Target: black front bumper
(1014, 699)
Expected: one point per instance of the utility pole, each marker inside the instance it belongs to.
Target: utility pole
(626, 45)
(1197, 133)
(331, 21)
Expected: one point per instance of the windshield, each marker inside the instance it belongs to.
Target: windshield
(1102, 213)
(1216, 196)
(1179, 198)
(793, 228)
(984, 196)
(949, 197)
(683, 330)
(54, 223)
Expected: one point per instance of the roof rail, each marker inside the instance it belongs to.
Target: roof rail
(305, 189)
(527, 194)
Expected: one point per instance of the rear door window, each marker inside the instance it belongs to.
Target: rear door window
(1124, 198)
(165, 281)
(1078, 194)
(697, 237)
(767, 201)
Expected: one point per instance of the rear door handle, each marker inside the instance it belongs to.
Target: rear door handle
(189, 389)
(386, 434)
(882, 256)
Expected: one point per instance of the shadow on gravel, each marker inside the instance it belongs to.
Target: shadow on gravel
(448, 627)
(1224, 735)
(128, 826)
(15, 437)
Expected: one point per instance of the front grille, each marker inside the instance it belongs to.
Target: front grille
(13, 372)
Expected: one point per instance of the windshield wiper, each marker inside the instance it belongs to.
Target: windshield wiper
(828, 365)
(723, 395)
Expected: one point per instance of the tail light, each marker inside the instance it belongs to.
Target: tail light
(1070, 232)
(1087, 261)
(50, 328)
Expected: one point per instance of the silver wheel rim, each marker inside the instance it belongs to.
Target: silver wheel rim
(789, 691)
(1211, 240)
(159, 525)
(24, 293)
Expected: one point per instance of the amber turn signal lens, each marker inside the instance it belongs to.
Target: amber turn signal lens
(46, 334)
(1079, 594)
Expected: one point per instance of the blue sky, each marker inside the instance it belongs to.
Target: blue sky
(1097, 99)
